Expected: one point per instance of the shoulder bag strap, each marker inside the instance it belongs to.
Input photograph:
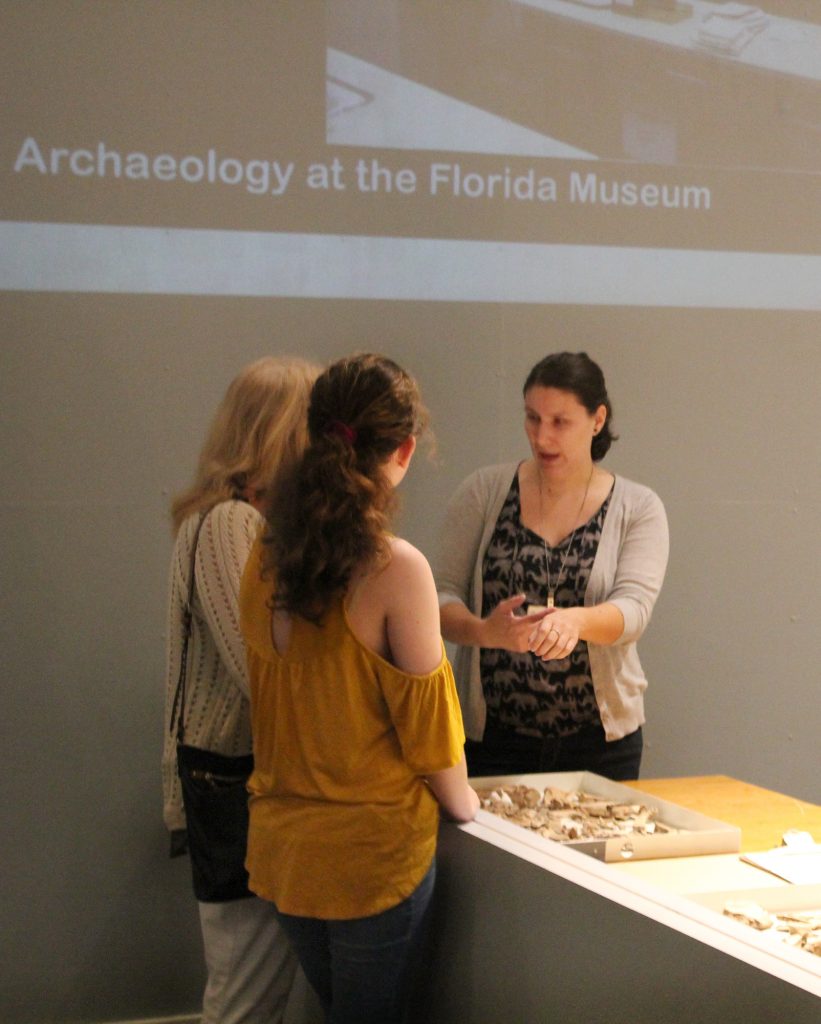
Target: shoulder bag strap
(178, 708)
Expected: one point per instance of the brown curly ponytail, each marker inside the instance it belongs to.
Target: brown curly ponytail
(330, 515)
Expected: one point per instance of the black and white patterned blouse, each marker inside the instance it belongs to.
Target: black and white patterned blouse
(524, 693)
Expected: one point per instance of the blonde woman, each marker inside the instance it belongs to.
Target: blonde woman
(259, 430)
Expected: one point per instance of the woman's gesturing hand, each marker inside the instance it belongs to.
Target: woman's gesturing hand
(504, 629)
(555, 635)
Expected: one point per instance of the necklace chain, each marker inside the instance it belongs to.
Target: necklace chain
(551, 590)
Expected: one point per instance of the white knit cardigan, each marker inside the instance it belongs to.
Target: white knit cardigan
(216, 707)
(628, 571)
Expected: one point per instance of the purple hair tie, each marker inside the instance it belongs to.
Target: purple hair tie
(348, 434)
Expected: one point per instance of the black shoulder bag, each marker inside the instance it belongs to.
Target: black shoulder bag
(213, 794)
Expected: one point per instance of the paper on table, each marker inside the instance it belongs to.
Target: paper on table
(800, 865)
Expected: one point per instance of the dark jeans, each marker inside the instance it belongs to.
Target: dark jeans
(360, 968)
(504, 752)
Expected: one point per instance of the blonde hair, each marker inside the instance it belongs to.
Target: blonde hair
(259, 428)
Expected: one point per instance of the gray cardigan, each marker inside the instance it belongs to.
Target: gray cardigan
(628, 571)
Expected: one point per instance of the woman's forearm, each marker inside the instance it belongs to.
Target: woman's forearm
(603, 624)
(450, 787)
(459, 624)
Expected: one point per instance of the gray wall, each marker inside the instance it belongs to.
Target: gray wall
(103, 404)
(104, 413)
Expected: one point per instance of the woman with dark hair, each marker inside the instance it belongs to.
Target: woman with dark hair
(358, 737)
(548, 573)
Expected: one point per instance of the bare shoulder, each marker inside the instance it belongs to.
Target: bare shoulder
(411, 610)
(404, 584)
(394, 610)
(405, 573)
(405, 555)
(407, 566)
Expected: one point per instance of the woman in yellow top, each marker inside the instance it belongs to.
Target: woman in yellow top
(357, 731)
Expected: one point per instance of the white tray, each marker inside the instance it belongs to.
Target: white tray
(697, 834)
(783, 899)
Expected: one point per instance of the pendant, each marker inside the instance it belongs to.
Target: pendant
(533, 608)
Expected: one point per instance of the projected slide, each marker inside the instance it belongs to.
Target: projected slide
(368, 106)
(655, 152)
(658, 81)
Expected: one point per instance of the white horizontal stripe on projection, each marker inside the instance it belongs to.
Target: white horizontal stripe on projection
(171, 261)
